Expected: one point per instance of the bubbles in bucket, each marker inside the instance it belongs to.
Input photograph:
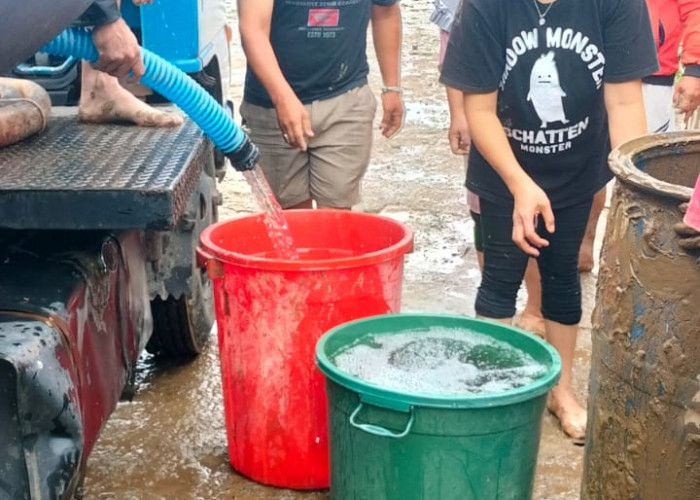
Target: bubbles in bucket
(439, 361)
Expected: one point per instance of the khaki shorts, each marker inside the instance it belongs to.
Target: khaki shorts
(331, 170)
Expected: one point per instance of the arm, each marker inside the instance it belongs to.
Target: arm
(530, 200)
(101, 12)
(254, 22)
(625, 107)
(386, 32)
(118, 49)
(686, 95)
(458, 134)
(688, 227)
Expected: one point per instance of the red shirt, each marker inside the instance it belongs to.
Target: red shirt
(673, 22)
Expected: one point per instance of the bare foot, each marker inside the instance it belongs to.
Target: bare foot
(585, 257)
(103, 100)
(533, 323)
(571, 415)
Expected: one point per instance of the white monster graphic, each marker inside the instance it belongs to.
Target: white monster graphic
(545, 92)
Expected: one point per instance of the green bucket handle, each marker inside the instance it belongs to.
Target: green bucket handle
(381, 431)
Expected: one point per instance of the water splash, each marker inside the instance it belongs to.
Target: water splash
(275, 221)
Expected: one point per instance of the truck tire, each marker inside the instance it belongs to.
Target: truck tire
(182, 321)
(177, 329)
(183, 312)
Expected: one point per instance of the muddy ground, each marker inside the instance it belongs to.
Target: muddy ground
(170, 442)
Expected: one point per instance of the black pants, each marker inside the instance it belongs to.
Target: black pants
(505, 263)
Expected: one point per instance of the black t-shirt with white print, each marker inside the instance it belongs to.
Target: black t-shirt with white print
(549, 78)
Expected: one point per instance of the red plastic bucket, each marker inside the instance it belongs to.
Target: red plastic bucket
(271, 312)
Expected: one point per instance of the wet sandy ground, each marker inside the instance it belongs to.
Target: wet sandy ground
(169, 443)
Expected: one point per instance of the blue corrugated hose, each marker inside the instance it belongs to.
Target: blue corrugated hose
(177, 87)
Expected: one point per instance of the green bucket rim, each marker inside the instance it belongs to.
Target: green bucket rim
(404, 401)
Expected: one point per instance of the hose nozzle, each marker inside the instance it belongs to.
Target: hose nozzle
(245, 157)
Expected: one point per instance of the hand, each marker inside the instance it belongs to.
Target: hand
(294, 122)
(689, 237)
(458, 135)
(119, 52)
(141, 2)
(393, 114)
(530, 203)
(686, 95)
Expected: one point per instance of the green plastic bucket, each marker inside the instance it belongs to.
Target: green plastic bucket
(389, 445)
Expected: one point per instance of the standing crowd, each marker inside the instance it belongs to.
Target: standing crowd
(539, 91)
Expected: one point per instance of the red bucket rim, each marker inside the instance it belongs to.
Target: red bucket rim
(398, 249)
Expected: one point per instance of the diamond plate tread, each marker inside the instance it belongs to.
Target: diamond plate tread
(85, 176)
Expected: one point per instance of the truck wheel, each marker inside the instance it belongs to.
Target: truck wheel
(180, 327)
(183, 312)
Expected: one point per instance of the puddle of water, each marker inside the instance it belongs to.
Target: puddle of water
(428, 115)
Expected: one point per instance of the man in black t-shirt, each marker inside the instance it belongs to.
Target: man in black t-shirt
(548, 87)
(306, 102)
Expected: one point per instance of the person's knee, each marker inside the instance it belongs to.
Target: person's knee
(494, 306)
(496, 298)
(570, 315)
(561, 299)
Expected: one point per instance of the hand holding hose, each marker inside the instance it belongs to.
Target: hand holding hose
(173, 84)
(118, 49)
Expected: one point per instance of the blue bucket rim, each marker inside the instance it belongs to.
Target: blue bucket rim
(403, 401)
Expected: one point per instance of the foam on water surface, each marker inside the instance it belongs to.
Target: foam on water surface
(440, 362)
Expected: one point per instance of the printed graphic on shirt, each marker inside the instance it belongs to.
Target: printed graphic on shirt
(324, 17)
(547, 92)
(324, 20)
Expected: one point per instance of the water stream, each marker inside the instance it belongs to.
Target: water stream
(275, 221)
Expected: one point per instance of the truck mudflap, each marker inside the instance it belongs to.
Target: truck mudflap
(74, 316)
(41, 443)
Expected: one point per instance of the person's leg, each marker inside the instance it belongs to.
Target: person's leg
(531, 318)
(286, 169)
(478, 239)
(504, 265)
(658, 108)
(307, 204)
(586, 260)
(562, 401)
(340, 151)
(104, 100)
(561, 307)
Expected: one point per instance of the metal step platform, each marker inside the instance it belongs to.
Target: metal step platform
(86, 177)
